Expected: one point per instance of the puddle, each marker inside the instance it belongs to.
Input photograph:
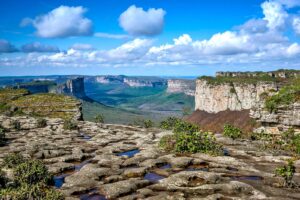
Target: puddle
(92, 195)
(205, 169)
(166, 166)
(60, 179)
(85, 137)
(153, 177)
(129, 154)
(226, 152)
(246, 178)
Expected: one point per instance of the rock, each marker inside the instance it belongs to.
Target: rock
(134, 172)
(181, 86)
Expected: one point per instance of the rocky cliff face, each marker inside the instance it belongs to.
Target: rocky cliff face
(214, 98)
(132, 81)
(182, 86)
(276, 122)
(73, 87)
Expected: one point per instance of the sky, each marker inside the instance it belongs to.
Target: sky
(148, 37)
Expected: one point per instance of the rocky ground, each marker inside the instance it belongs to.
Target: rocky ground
(103, 161)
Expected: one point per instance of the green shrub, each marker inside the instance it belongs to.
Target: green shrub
(31, 192)
(2, 136)
(169, 123)
(32, 172)
(286, 96)
(41, 122)
(287, 172)
(186, 127)
(194, 142)
(232, 132)
(99, 118)
(167, 142)
(148, 123)
(70, 125)
(13, 160)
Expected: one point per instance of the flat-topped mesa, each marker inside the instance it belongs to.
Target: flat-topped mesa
(73, 87)
(20, 102)
(275, 74)
(187, 87)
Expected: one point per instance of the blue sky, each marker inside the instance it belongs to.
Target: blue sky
(148, 37)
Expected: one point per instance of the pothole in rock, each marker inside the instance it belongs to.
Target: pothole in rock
(129, 154)
(165, 166)
(244, 178)
(153, 177)
(195, 181)
(60, 179)
(199, 167)
(85, 136)
(226, 152)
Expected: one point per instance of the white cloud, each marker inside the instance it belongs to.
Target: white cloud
(137, 21)
(62, 22)
(293, 49)
(38, 47)
(6, 47)
(84, 47)
(254, 26)
(111, 36)
(274, 14)
(296, 25)
(185, 39)
(289, 3)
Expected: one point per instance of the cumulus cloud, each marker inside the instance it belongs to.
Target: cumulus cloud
(289, 3)
(62, 22)
(296, 25)
(138, 22)
(274, 14)
(254, 26)
(6, 47)
(38, 47)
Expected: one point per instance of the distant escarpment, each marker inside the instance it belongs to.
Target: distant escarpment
(37, 86)
(73, 87)
(132, 81)
(20, 102)
(181, 86)
(272, 97)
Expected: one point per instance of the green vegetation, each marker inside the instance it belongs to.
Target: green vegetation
(232, 132)
(286, 96)
(219, 80)
(37, 83)
(188, 138)
(288, 141)
(13, 160)
(287, 172)
(99, 118)
(169, 123)
(41, 122)
(31, 180)
(146, 123)
(70, 125)
(2, 136)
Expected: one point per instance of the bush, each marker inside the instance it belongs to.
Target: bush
(41, 123)
(186, 127)
(99, 118)
(70, 125)
(169, 123)
(32, 172)
(36, 191)
(13, 160)
(167, 142)
(195, 142)
(148, 123)
(3, 179)
(287, 172)
(2, 136)
(232, 132)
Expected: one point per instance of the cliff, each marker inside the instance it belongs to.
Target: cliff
(20, 102)
(37, 86)
(181, 86)
(73, 87)
(132, 81)
(234, 96)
